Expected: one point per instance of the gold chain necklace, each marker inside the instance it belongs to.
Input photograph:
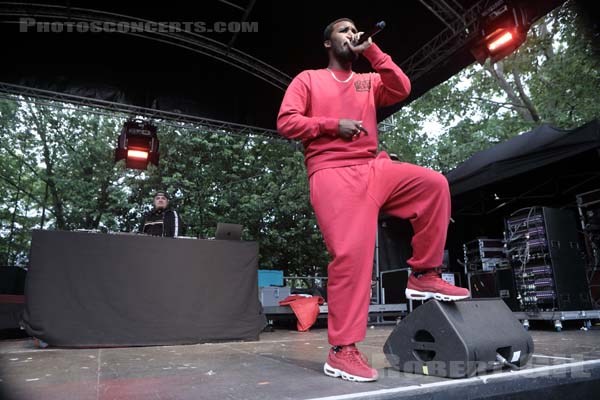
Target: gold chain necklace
(340, 81)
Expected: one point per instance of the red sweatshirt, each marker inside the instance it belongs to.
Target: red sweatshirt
(315, 102)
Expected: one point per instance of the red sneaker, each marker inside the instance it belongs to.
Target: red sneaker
(349, 363)
(429, 284)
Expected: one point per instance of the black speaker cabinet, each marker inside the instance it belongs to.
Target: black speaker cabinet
(393, 284)
(458, 339)
(498, 283)
(394, 236)
(12, 280)
(568, 264)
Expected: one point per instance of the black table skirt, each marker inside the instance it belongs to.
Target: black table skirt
(102, 290)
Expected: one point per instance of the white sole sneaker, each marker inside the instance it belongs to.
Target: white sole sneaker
(338, 373)
(418, 295)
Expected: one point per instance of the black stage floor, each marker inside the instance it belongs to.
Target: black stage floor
(283, 364)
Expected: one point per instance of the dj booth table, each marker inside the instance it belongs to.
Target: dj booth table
(100, 290)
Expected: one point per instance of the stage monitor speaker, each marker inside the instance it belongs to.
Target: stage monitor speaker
(458, 339)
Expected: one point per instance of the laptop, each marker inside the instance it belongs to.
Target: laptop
(228, 231)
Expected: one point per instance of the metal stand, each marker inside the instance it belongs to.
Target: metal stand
(592, 248)
(557, 317)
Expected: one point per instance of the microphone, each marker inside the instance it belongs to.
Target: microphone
(375, 30)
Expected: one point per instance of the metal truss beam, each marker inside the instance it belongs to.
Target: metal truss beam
(244, 19)
(445, 11)
(109, 108)
(459, 32)
(232, 5)
(184, 39)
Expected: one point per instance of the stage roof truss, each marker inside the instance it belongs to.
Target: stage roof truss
(244, 18)
(188, 40)
(111, 108)
(448, 29)
(444, 11)
(459, 32)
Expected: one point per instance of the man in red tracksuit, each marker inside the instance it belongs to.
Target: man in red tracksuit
(333, 112)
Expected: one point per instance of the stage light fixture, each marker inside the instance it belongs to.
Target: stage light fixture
(504, 29)
(137, 154)
(502, 40)
(137, 145)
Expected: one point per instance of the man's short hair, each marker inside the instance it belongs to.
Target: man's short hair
(329, 28)
(159, 193)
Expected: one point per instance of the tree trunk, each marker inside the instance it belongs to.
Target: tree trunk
(57, 204)
(13, 221)
(42, 220)
(526, 100)
(102, 204)
(546, 44)
(497, 71)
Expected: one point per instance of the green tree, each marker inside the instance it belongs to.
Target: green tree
(58, 172)
(552, 79)
(57, 167)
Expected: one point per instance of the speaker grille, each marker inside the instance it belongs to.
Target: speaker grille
(424, 336)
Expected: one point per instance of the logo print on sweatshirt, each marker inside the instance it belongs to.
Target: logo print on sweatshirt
(362, 85)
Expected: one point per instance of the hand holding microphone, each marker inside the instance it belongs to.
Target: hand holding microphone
(357, 44)
(375, 30)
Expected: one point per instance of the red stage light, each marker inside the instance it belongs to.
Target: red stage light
(500, 41)
(137, 145)
(503, 29)
(498, 45)
(137, 154)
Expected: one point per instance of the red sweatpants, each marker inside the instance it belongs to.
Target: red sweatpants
(347, 202)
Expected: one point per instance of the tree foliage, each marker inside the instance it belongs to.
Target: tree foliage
(57, 169)
(551, 79)
(58, 172)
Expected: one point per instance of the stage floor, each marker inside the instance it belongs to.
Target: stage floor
(283, 364)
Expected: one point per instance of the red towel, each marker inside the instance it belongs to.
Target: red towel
(305, 308)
